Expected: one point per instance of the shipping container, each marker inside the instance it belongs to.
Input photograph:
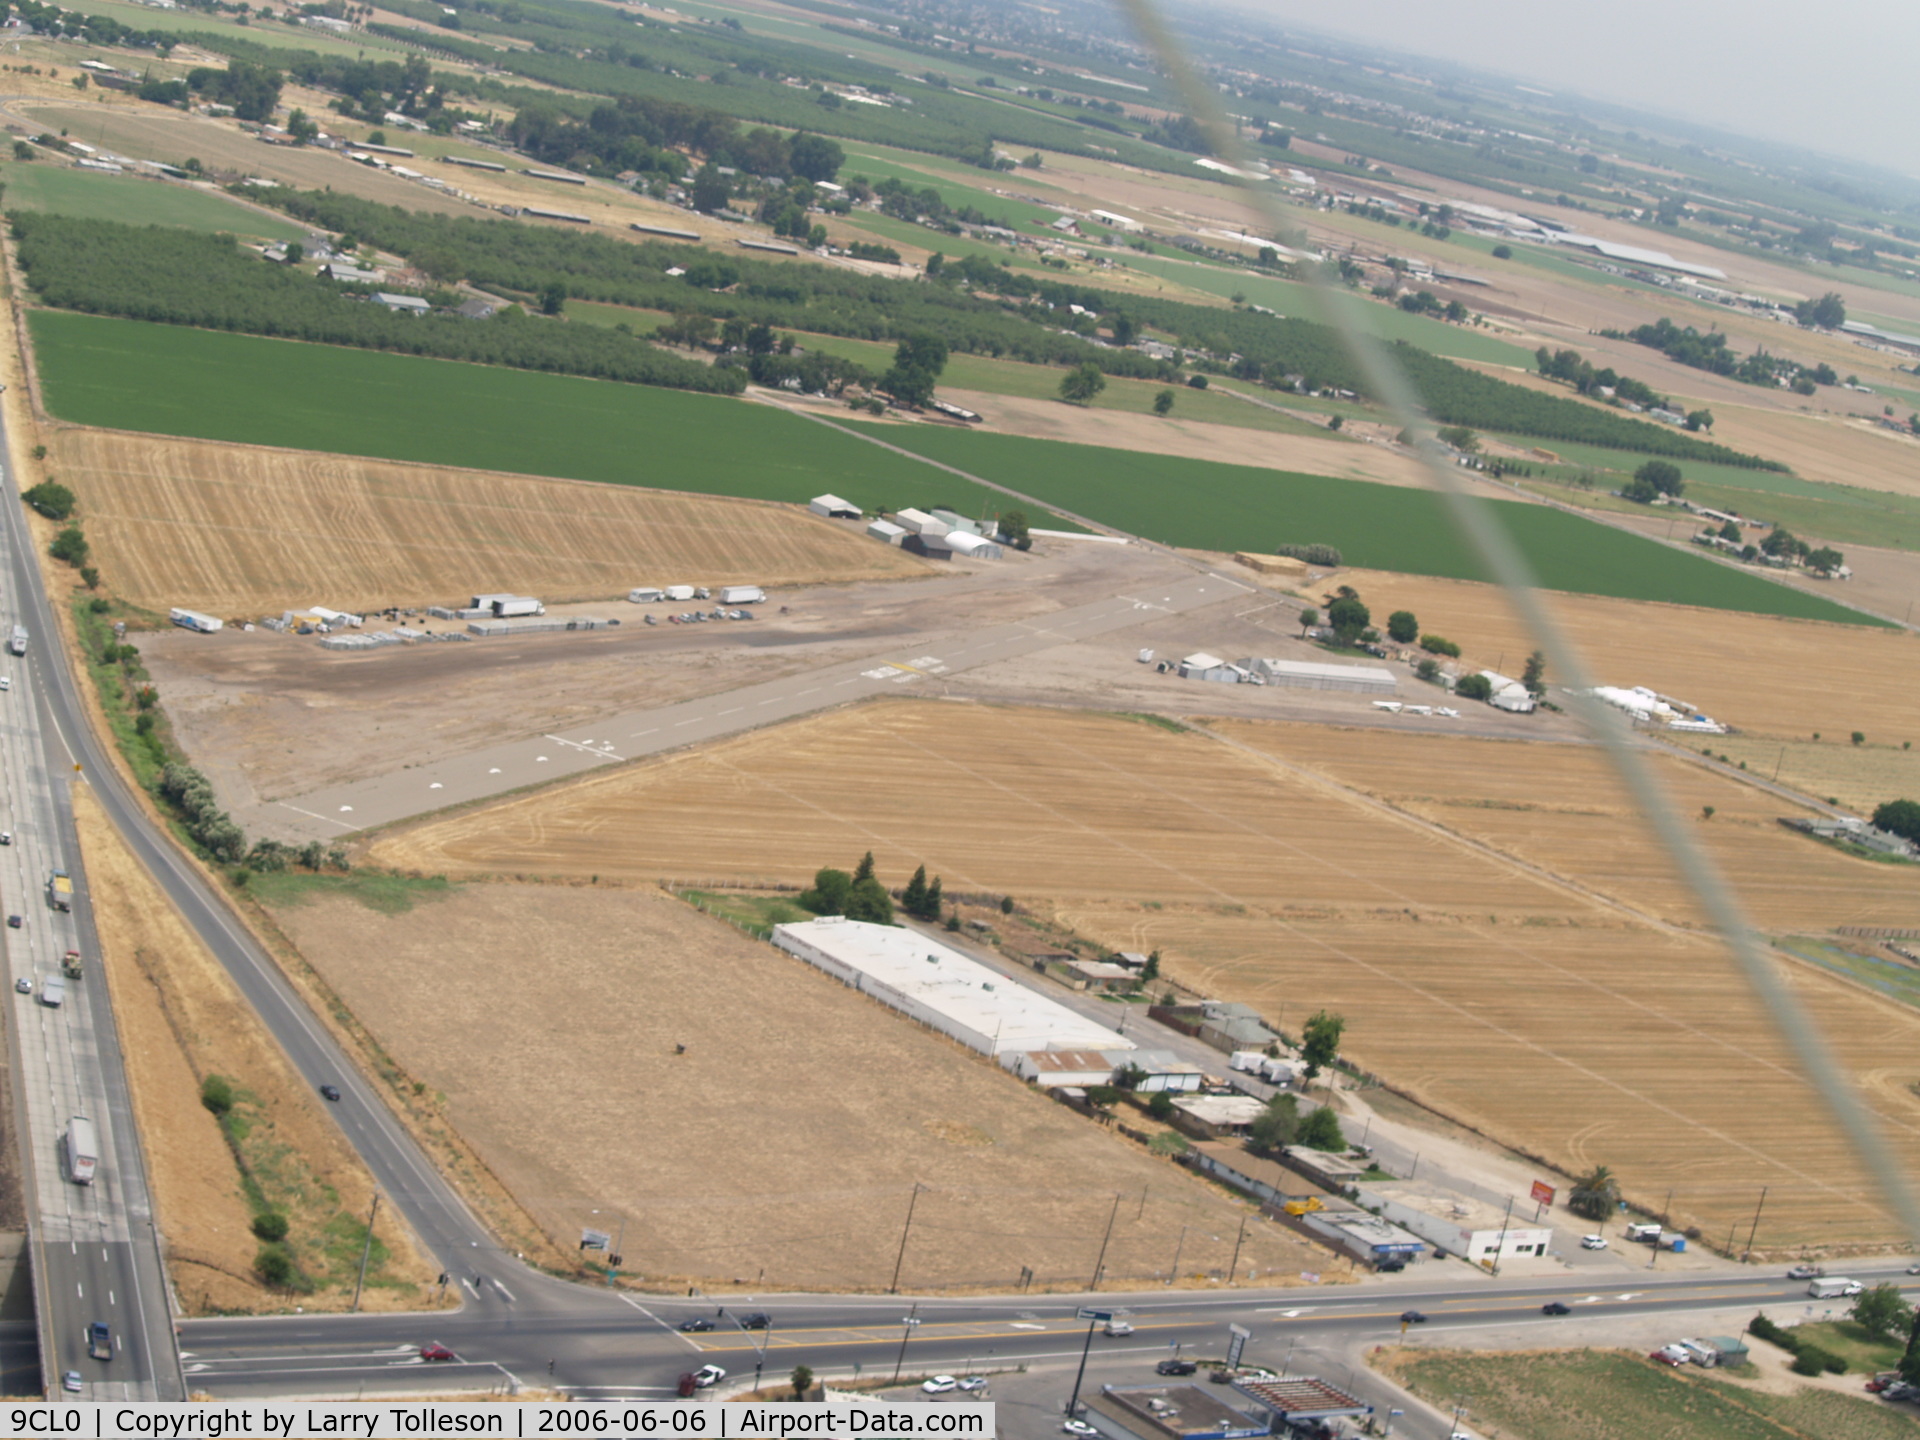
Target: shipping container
(742, 595)
(194, 620)
(518, 605)
(679, 592)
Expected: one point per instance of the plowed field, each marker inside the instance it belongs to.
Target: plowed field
(240, 530)
(1547, 1000)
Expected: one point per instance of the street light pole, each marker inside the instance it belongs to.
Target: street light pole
(1073, 1401)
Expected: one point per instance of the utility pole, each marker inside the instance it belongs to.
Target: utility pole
(1140, 1214)
(893, 1287)
(1174, 1273)
(1501, 1247)
(907, 1329)
(366, 1252)
(1101, 1263)
(1748, 1252)
(1233, 1267)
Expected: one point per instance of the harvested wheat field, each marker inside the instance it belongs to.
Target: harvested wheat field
(1561, 807)
(242, 530)
(181, 1020)
(1766, 675)
(781, 1148)
(1525, 1002)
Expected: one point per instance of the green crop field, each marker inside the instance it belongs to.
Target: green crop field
(1289, 297)
(130, 375)
(1606, 1395)
(1210, 506)
(93, 195)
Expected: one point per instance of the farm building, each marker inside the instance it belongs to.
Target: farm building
(476, 309)
(402, 304)
(1162, 1070)
(833, 507)
(1301, 1400)
(928, 547)
(665, 231)
(953, 520)
(1311, 675)
(1048, 1068)
(1119, 222)
(888, 531)
(1508, 693)
(1168, 1412)
(1100, 975)
(1267, 1181)
(971, 546)
(350, 274)
(942, 988)
(1202, 666)
(920, 522)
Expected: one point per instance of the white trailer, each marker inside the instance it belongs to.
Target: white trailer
(194, 620)
(679, 592)
(646, 595)
(1248, 1060)
(742, 595)
(81, 1151)
(511, 606)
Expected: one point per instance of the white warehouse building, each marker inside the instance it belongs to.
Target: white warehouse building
(942, 988)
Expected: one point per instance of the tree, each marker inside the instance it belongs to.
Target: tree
(275, 1267)
(1899, 817)
(1641, 492)
(1439, 645)
(270, 1225)
(1829, 312)
(216, 1093)
(830, 893)
(553, 299)
(1080, 385)
(1459, 437)
(1662, 475)
(1276, 1127)
(814, 157)
(1403, 627)
(53, 500)
(1150, 971)
(1348, 617)
(1163, 402)
(1503, 252)
(802, 1376)
(70, 545)
(1699, 420)
(1531, 677)
(1320, 1041)
(710, 190)
(1730, 532)
(864, 870)
(868, 900)
(1473, 687)
(300, 127)
(1826, 559)
(917, 363)
(1309, 618)
(1882, 1312)
(1013, 525)
(1321, 1130)
(1160, 1106)
(1910, 1362)
(913, 899)
(1595, 1195)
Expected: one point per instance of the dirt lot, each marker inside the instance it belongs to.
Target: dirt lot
(1525, 1001)
(246, 530)
(269, 715)
(1768, 676)
(784, 1143)
(180, 1020)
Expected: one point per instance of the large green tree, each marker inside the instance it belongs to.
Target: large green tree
(1595, 1195)
(1080, 385)
(1320, 1041)
(1348, 617)
(1883, 1312)
(1276, 1127)
(1899, 817)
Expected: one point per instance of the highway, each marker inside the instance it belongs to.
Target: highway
(95, 1248)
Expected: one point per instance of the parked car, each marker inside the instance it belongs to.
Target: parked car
(1813, 1272)
(1555, 1307)
(1667, 1357)
(1392, 1265)
(708, 1376)
(939, 1384)
(1176, 1367)
(1593, 1242)
(696, 1327)
(973, 1382)
(437, 1351)
(1079, 1427)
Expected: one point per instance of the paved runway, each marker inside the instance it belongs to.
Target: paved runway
(483, 774)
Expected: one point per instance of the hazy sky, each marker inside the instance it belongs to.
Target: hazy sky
(1835, 75)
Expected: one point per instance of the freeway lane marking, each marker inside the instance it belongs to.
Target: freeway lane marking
(1019, 1325)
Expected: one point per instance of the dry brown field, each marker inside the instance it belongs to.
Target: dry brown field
(1527, 1001)
(782, 1147)
(1767, 676)
(1857, 777)
(243, 530)
(180, 1019)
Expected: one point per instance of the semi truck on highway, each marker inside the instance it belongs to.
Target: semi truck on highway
(70, 965)
(60, 890)
(17, 643)
(82, 1151)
